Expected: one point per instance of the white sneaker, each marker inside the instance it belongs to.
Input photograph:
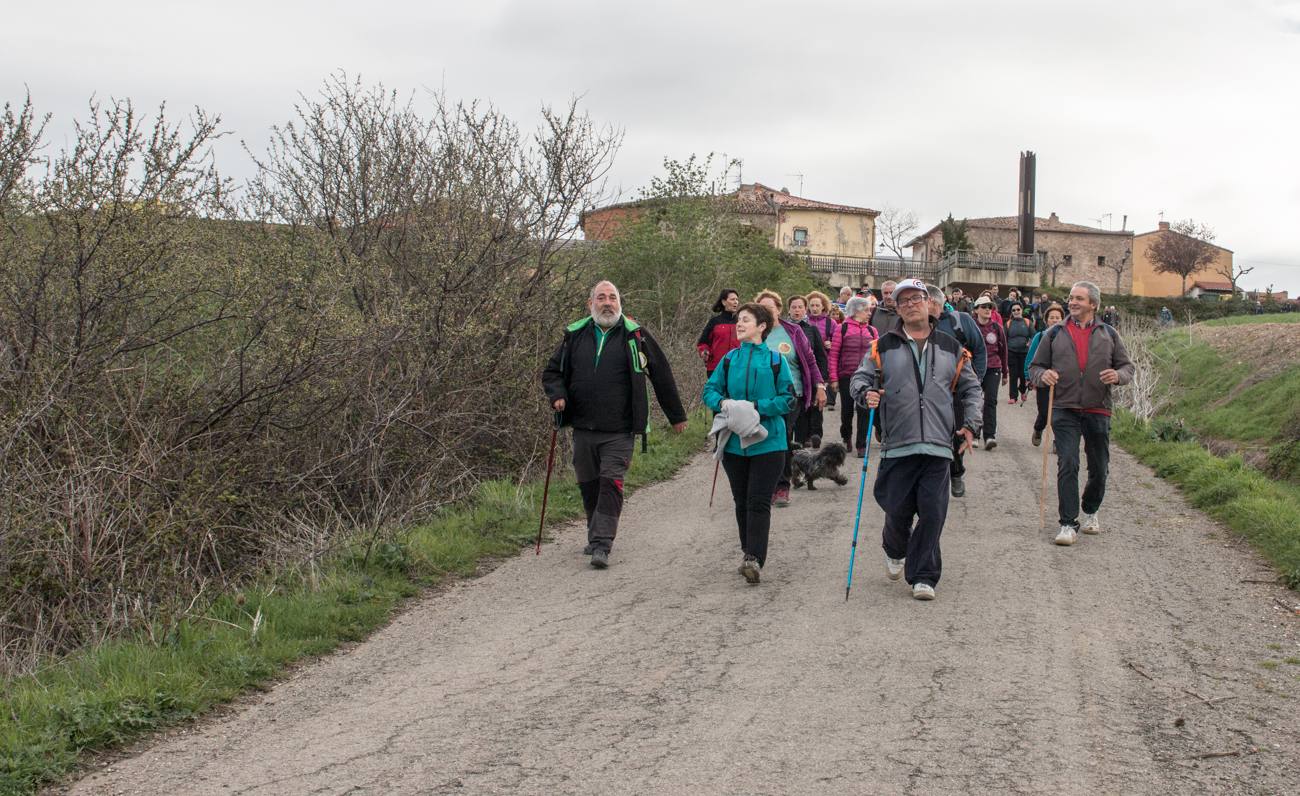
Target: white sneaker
(1066, 536)
(990, 443)
(922, 591)
(894, 567)
(1089, 524)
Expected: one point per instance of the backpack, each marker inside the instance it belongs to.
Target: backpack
(726, 369)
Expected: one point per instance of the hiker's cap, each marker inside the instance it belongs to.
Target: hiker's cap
(909, 284)
(983, 301)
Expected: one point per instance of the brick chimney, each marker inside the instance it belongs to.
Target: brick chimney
(1053, 218)
(1164, 225)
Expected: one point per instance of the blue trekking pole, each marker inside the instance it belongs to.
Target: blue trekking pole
(862, 487)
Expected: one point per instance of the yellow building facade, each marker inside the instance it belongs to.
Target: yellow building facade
(848, 234)
(1146, 282)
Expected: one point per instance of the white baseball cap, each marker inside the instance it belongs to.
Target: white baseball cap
(909, 284)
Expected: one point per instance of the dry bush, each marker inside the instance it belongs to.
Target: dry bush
(1142, 396)
(190, 391)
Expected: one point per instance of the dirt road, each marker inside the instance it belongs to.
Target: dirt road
(1134, 662)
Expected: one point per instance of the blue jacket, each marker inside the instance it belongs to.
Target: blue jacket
(748, 375)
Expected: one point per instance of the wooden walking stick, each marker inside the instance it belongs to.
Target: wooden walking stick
(1042, 493)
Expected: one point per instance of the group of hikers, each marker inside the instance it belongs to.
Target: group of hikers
(923, 365)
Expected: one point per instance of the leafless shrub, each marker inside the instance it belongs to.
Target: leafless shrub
(1142, 396)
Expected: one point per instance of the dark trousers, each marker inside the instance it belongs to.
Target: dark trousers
(913, 492)
(992, 377)
(1019, 384)
(848, 411)
(1040, 422)
(600, 461)
(809, 425)
(1068, 425)
(752, 480)
(791, 425)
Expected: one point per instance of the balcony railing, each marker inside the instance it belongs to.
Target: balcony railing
(890, 268)
(1025, 263)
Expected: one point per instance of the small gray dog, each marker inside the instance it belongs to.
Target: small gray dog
(825, 462)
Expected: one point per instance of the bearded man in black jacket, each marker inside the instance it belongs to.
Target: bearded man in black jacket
(596, 381)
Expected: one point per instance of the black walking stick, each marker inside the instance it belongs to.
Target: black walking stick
(546, 489)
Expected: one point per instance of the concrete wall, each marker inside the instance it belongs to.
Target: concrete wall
(845, 234)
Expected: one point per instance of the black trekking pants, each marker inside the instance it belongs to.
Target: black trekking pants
(1042, 395)
(913, 492)
(1068, 425)
(958, 467)
(600, 462)
(752, 479)
(1019, 385)
(848, 411)
(992, 377)
(791, 425)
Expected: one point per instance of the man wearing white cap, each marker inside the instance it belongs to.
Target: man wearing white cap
(912, 374)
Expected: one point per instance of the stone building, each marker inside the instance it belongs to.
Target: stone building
(1067, 252)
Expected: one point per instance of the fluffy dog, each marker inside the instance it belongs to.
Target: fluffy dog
(825, 462)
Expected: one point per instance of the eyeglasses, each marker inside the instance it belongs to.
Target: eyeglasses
(910, 300)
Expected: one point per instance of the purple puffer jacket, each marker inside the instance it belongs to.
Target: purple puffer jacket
(826, 326)
(812, 375)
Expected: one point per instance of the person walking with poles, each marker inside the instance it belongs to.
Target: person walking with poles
(995, 346)
(1080, 360)
(753, 382)
(920, 372)
(1053, 316)
(851, 343)
(962, 327)
(596, 381)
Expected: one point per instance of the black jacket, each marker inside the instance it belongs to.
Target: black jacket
(819, 348)
(610, 394)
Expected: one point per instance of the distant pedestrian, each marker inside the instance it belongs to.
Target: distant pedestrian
(808, 429)
(596, 380)
(885, 315)
(753, 393)
(819, 315)
(852, 342)
(965, 331)
(846, 293)
(1019, 333)
(1166, 317)
(1111, 316)
(995, 346)
(719, 335)
(1054, 315)
(920, 370)
(788, 340)
(1083, 359)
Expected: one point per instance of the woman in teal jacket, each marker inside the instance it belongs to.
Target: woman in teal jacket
(1051, 317)
(756, 374)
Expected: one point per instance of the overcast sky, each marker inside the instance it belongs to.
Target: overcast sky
(1191, 108)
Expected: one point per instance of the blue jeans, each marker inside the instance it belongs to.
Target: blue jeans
(1068, 425)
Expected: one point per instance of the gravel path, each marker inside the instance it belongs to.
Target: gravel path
(1134, 662)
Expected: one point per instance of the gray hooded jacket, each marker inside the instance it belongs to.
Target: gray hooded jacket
(915, 409)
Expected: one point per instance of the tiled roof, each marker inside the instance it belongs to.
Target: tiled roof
(792, 202)
(1204, 285)
(1013, 223)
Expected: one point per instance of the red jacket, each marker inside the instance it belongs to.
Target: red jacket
(718, 337)
(848, 349)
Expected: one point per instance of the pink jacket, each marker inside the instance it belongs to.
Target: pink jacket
(848, 349)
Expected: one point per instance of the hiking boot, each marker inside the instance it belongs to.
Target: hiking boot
(1037, 439)
(862, 453)
(1089, 524)
(782, 497)
(589, 549)
(958, 486)
(922, 591)
(599, 558)
(1066, 536)
(750, 569)
(894, 567)
(975, 443)
(815, 441)
(990, 443)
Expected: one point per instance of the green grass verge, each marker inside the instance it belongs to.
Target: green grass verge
(1238, 320)
(112, 694)
(1264, 511)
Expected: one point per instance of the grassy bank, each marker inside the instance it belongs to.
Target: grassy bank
(115, 693)
(1264, 511)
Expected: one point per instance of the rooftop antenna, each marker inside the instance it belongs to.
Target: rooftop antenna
(1162, 215)
(800, 176)
(1107, 217)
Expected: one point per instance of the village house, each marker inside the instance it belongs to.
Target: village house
(1146, 282)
